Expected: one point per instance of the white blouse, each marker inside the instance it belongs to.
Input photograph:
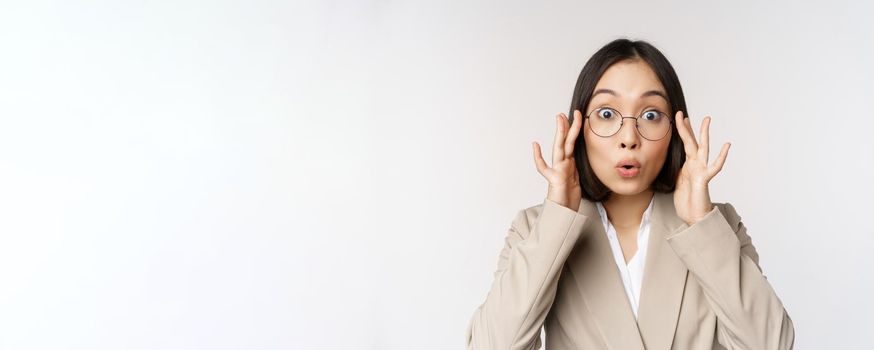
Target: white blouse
(632, 273)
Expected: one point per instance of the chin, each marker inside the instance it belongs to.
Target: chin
(627, 187)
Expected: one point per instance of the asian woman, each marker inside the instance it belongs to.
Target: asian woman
(627, 251)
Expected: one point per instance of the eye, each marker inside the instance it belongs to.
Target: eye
(606, 113)
(653, 116)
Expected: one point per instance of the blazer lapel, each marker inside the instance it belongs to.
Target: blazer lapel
(664, 278)
(600, 283)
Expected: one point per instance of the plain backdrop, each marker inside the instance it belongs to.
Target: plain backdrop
(341, 174)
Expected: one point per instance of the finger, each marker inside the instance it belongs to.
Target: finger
(691, 134)
(558, 143)
(704, 147)
(720, 161)
(539, 163)
(573, 133)
(685, 134)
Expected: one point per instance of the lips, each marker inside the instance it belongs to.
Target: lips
(628, 168)
(628, 164)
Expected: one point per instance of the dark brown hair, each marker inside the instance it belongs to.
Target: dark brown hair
(615, 51)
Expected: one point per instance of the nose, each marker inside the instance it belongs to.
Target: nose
(628, 136)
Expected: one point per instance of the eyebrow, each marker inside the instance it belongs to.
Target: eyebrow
(645, 94)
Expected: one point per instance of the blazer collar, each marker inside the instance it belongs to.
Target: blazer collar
(598, 280)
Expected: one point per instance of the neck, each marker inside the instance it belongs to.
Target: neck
(626, 211)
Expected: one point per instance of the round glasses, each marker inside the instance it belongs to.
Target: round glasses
(651, 124)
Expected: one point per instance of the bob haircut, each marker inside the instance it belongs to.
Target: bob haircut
(615, 51)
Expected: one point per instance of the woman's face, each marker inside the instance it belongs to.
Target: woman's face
(631, 88)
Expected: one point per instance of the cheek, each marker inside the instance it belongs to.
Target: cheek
(658, 154)
(597, 149)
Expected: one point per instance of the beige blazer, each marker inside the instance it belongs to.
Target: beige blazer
(702, 286)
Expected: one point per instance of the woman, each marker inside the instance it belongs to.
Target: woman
(627, 251)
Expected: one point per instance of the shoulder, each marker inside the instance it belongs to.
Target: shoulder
(527, 217)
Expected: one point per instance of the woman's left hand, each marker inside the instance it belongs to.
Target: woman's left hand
(692, 196)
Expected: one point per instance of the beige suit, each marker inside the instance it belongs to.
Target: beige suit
(702, 286)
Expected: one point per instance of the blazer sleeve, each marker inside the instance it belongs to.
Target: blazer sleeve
(721, 257)
(524, 285)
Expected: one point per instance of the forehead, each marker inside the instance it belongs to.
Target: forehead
(629, 80)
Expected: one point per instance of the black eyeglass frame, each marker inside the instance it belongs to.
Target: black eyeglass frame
(636, 124)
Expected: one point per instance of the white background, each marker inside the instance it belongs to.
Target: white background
(341, 175)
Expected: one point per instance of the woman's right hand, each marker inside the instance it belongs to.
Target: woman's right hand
(564, 180)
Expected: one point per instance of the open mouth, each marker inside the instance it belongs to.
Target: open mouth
(628, 171)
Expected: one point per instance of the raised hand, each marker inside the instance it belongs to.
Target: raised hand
(564, 181)
(692, 195)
